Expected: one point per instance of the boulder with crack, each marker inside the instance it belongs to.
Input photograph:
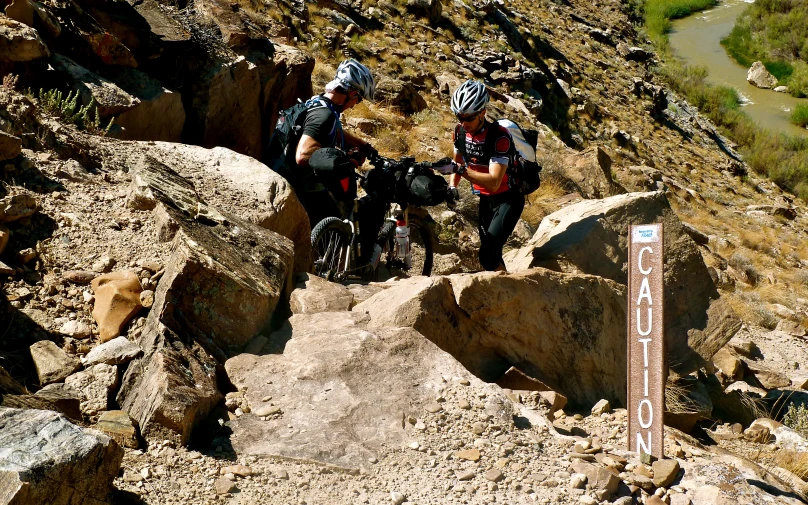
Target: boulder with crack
(566, 330)
(592, 237)
(261, 195)
(340, 400)
(47, 458)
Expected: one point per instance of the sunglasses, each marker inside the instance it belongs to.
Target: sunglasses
(467, 118)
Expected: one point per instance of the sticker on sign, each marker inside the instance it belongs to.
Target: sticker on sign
(646, 234)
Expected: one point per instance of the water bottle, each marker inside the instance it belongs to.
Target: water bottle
(403, 238)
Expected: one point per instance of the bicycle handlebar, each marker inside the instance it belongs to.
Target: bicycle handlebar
(408, 164)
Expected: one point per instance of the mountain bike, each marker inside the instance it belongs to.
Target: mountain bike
(404, 244)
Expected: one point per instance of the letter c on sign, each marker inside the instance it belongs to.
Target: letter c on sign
(650, 414)
(639, 261)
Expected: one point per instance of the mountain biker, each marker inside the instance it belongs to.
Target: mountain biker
(485, 167)
(320, 186)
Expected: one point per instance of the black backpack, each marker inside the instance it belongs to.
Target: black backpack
(523, 171)
(284, 140)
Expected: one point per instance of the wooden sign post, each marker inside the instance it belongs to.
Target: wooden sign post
(646, 345)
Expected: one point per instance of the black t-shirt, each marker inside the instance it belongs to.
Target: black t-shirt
(321, 125)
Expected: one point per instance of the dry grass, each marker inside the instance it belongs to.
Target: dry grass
(540, 203)
(794, 462)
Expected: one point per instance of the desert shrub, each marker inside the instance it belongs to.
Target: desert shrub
(743, 263)
(796, 418)
(798, 81)
(66, 107)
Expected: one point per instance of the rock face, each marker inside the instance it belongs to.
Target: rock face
(760, 77)
(568, 331)
(117, 300)
(10, 146)
(19, 42)
(159, 114)
(341, 410)
(220, 288)
(401, 94)
(592, 237)
(46, 459)
(109, 98)
(590, 173)
(260, 195)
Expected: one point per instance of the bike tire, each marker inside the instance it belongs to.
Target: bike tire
(330, 246)
(421, 244)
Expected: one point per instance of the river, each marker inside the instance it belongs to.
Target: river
(696, 39)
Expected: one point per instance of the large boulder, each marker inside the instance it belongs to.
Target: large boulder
(220, 288)
(566, 330)
(159, 114)
(588, 173)
(592, 237)
(47, 460)
(339, 392)
(400, 94)
(225, 110)
(255, 192)
(760, 77)
(19, 42)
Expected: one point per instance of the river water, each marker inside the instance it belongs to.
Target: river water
(696, 39)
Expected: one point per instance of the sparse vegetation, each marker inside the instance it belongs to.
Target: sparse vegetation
(10, 81)
(85, 118)
(796, 418)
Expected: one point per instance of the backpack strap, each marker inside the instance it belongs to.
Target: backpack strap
(460, 141)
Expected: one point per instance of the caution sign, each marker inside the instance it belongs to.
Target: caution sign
(646, 344)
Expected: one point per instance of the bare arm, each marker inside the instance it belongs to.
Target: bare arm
(491, 180)
(305, 148)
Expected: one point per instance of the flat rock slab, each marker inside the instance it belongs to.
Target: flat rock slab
(44, 459)
(314, 294)
(52, 363)
(115, 352)
(342, 389)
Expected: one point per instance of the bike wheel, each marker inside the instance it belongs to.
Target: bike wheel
(392, 264)
(330, 248)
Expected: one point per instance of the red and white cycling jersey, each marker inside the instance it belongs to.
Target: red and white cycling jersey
(478, 160)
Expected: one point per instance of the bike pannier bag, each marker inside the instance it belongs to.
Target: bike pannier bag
(428, 190)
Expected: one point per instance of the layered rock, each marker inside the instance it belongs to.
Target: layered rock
(46, 459)
(260, 195)
(568, 331)
(220, 288)
(328, 403)
(592, 237)
(589, 173)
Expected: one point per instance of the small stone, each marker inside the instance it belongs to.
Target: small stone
(578, 481)
(468, 454)
(103, 265)
(147, 298)
(414, 445)
(647, 459)
(397, 498)
(224, 486)
(466, 475)
(266, 410)
(433, 407)
(464, 382)
(463, 405)
(602, 407)
(478, 428)
(282, 474)
(146, 473)
(420, 426)
(132, 477)
(239, 470)
(494, 475)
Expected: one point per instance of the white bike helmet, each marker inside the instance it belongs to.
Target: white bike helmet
(353, 75)
(470, 97)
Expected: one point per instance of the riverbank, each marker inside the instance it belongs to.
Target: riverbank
(782, 158)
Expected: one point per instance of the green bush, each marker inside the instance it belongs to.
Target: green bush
(796, 418)
(799, 116)
(798, 82)
(85, 118)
